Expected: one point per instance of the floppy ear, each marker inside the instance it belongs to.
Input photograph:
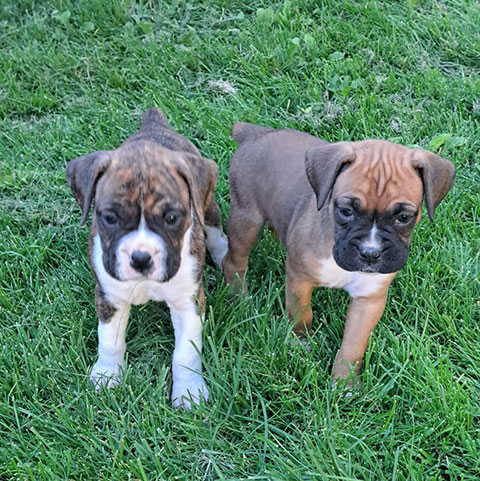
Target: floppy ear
(200, 175)
(82, 175)
(437, 176)
(323, 164)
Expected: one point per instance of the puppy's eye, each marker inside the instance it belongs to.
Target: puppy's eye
(172, 219)
(346, 212)
(403, 219)
(110, 218)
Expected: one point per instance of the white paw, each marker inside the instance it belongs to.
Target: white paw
(186, 394)
(217, 244)
(107, 375)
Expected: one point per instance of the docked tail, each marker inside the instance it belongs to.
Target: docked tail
(242, 131)
(152, 117)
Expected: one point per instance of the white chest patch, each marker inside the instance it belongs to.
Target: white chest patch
(178, 290)
(330, 274)
(357, 284)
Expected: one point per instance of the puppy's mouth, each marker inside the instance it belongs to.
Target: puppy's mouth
(350, 260)
(145, 272)
(144, 275)
(370, 265)
(360, 266)
(370, 269)
(143, 278)
(138, 277)
(151, 273)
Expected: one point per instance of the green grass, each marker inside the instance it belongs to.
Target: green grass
(75, 77)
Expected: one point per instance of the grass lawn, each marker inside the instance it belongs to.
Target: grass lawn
(75, 77)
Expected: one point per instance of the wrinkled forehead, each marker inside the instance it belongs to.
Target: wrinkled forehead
(145, 179)
(380, 176)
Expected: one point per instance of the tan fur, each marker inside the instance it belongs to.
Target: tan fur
(290, 180)
(381, 176)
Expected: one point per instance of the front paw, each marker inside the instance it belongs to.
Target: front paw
(107, 375)
(187, 393)
(299, 340)
(347, 387)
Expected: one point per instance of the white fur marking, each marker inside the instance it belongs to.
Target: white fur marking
(364, 284)
(332, 275)
(111, 349)
(181, 286)
(357, 284)
(188, 383)
(372, 240)
(216, 243)
(142, 239)
(178, 292)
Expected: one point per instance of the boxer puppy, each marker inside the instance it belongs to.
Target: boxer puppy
(343, 211)
(153, 198)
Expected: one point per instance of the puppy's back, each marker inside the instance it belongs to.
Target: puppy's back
(267, 172)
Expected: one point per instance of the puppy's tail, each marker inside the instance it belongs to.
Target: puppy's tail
(242, 131)
(153, 116)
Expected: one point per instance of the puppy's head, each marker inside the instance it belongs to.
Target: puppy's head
(146, 198)
(374, 191)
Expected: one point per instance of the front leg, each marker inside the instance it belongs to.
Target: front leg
(362, 317)
(188, 383)
(298, 296)
(112, 323)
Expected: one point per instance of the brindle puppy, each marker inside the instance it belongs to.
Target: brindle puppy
(154, 197)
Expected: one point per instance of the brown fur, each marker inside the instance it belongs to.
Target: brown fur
(142, 179)
(153, 167)
(104, 309)
(290, 180)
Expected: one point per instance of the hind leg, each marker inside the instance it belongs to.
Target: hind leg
(243, 228)
(216, 241)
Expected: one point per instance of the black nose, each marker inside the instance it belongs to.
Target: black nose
(140, 260)
(369, 254)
